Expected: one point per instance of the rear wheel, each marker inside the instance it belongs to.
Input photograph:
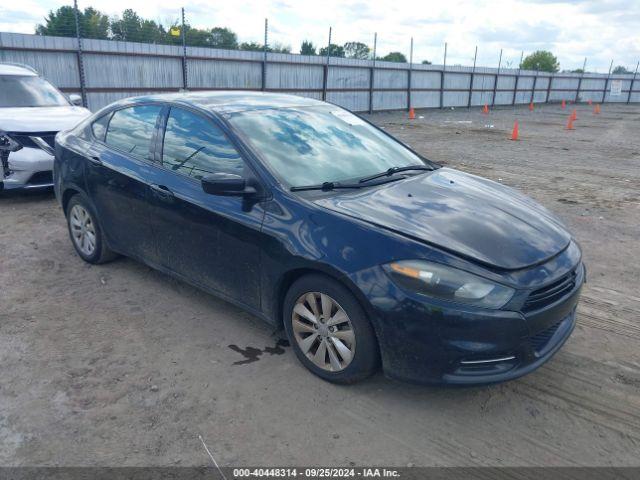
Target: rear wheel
(85, 232)
(329, 331)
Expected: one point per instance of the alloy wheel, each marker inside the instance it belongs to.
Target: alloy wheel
(323, 331)
(83, 230)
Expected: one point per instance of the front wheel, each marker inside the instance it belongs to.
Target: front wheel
(329, 331)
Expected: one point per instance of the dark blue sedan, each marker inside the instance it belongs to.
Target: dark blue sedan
(317, 221)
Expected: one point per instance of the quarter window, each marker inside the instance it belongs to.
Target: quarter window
(131, 130)
(194, 146)
(99, 127)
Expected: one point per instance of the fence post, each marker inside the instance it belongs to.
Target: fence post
(533, 90)
(264, 55)
(546, 100)
(325, 76)
(633, 80)
(584, 66)
(372, 72)
(473, 72)
(185, 83)
(83, 87)
(495, 81)
(515, 89)
(409, 76)
(606, 83)
(444, 68)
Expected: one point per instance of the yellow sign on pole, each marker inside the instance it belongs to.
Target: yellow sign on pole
(174, 31)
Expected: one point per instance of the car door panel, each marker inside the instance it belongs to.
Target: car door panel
(214, 241)
(117, 183)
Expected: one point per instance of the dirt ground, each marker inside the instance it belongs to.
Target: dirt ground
(121, 365)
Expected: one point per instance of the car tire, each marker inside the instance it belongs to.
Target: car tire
(85, 232)
(364, 357)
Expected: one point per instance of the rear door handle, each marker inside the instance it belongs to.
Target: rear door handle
(162, 192)
(95, 160)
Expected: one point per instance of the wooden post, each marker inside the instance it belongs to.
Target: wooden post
(473, 72)
(495, 82)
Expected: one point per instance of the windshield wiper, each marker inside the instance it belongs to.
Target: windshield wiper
(326, 186)
(394, 170)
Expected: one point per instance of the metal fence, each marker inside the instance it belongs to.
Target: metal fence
(106, 70)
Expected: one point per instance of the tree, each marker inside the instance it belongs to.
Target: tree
(307, 48)
(426, 62)
(620, 69)
(334, 51)
(131, 27)
(542, 61)
(394, 57)
(62, 23)
(224, 38)
(356, 50)
(252, 46)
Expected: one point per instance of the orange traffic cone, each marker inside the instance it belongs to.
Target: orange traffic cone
(596, 109)
(570, 123)
(531, 107)
(412, 113)
(515, 131)
(574, 115)
(564, 104)
(485, 109)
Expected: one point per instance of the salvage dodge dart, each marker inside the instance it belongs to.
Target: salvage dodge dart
(310, 217)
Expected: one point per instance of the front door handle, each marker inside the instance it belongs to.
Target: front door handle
(95, 160)
(162, 192)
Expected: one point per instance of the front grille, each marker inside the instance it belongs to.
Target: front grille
(24, 140)
(41, 178)
(540, 340)
(550, 293)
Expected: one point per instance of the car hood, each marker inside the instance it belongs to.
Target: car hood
(41, 119)
(464, 214)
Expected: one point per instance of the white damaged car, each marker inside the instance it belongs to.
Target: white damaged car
(32, 111)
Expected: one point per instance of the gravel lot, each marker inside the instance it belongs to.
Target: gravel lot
(121, 365)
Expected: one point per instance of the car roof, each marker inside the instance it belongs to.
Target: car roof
(229, 101)
(17, 69)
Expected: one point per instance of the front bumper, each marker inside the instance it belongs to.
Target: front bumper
(426, 341)
(30, 169)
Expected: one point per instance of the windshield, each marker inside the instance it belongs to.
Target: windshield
(29, 91)
(312, 145)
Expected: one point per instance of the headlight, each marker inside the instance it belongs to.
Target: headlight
(446, 283)
(8, 144)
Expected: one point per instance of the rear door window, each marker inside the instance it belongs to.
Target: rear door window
(131, 130)
(195, 146)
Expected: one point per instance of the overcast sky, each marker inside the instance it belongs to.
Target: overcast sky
(600, 30)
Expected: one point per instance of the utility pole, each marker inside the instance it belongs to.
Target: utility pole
(444, 69)
(584, 66)
(325, 77)
(633, 80)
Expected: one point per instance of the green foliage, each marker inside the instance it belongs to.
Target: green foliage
(426, 62)
(542, 61)
(356, 50)
(62, 23)
(334, 51)
(223, 38)
(620, 69)
(307, 48)
(394, 57)
(259, 47)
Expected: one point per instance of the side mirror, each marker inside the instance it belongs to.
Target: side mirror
(226, 184)
(75, 99)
